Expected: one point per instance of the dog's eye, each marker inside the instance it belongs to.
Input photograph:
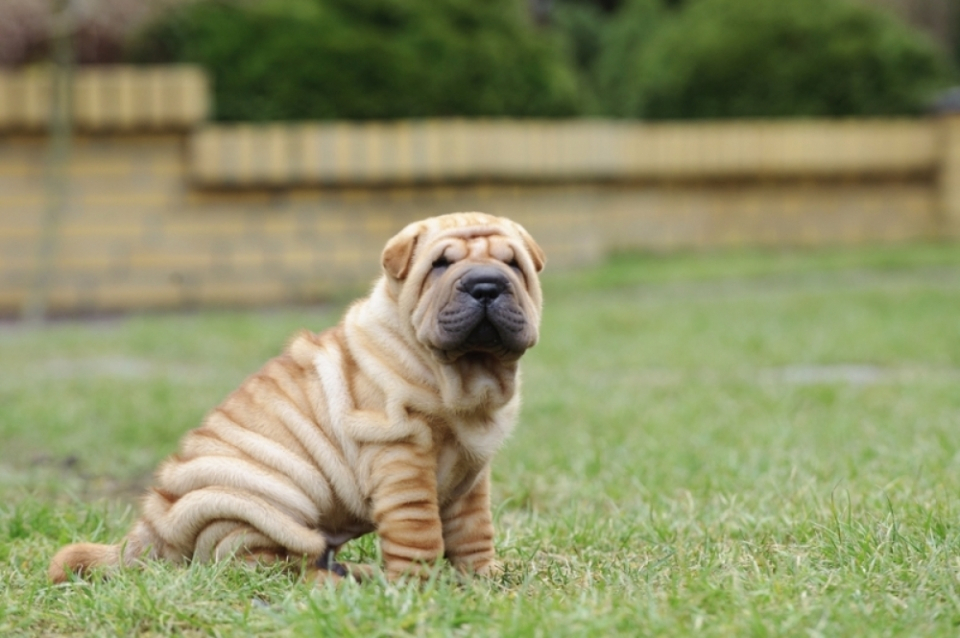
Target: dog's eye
(441, 263)
(513, 264)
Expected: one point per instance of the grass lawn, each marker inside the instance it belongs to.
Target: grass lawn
(743, 443)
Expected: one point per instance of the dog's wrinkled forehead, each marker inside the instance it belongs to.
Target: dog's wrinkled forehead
(477, 234)
(475, 243)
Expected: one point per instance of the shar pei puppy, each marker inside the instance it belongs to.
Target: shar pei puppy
(386, 422)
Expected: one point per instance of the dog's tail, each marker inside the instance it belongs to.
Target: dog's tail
(78, 559)
(81, 558)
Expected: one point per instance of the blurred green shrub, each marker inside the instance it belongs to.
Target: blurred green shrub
(765, 58)
(324, 59)
(618, 69)
(582, 26)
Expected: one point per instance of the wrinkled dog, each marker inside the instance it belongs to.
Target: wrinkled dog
(386, 422)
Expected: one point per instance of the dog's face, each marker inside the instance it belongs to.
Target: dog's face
(468, 282)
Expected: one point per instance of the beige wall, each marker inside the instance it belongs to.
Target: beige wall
(136, 235)
(165, 211)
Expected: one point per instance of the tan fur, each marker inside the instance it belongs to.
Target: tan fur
(383, 423)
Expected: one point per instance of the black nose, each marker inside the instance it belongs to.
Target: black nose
(484, 286)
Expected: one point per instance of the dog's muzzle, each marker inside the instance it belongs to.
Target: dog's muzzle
(483, 315)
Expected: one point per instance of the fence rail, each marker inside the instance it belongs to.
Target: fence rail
(442, 151)
(116, 98)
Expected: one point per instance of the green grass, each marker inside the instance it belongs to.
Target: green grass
(745, 443)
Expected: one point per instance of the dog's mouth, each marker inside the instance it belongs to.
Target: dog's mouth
(484, 337)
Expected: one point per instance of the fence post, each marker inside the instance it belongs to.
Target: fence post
(948, 110)
(60, 132)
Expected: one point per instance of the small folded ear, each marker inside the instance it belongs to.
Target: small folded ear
(536, 253)
(398, 253)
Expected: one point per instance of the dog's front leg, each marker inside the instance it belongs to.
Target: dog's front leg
(405, 511)
(468, 530)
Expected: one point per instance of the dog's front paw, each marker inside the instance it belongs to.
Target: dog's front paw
(327, 569)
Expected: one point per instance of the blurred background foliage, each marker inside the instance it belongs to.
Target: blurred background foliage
(756, 58)
(325, 59)
(651, 59)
